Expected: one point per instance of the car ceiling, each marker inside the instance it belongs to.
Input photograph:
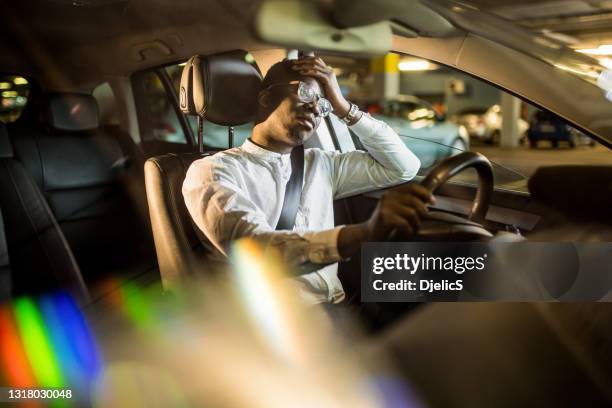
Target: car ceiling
(68, 43)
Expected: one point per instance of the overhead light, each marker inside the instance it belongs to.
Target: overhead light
(20, 81)
(415, 65)
(605, 80)
(606, 62)
(590, 74)
(564, 38)
(9, 94)
(5, 85)
(605, 49)
(546, 43)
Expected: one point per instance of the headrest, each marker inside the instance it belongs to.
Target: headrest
(583, 192)
(6, 149)
(222, 88)
(71, 112)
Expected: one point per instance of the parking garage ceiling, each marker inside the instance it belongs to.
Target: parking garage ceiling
(579, 23)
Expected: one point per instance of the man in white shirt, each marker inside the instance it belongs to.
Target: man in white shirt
(239, 192)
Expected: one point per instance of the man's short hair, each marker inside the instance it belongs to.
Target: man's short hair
(281, 73)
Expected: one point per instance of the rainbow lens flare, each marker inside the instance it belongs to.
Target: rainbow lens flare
(144, 307)
(35, 337)
(47, 343)
(260, 277)
(15, 365)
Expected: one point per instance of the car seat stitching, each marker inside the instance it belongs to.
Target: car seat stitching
(172, 199)
(42, 166)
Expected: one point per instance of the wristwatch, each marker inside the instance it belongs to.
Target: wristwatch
(351, 116)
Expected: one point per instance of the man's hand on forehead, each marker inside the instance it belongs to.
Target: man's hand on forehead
(316, 68)
(313, 67)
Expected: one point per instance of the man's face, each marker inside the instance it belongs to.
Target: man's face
(293, 121)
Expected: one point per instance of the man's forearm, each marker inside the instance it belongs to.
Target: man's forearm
(386, 147)
(350, 239)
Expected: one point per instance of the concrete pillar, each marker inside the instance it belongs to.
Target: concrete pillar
(511, 110)
(385, 70)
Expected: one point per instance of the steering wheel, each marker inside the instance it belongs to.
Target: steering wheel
(440, 226)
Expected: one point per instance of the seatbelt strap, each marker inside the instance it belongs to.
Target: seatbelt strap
(293, 191)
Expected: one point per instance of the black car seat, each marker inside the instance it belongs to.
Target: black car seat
(225, 89)
(40, 256)
(5, 266)
(80, 169)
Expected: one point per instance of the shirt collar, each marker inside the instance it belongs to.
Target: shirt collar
(262, 153)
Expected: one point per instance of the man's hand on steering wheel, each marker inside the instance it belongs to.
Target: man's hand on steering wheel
(400, 208)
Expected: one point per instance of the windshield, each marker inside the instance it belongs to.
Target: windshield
(433, 153)
(439, 112)
(557, 70)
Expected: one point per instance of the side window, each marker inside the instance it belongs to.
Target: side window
(439, 112)
(215, 136)
(107, 105)
(158, 116)
(14, 92)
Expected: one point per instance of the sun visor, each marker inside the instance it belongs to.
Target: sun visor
(301, 25)
(413, 18)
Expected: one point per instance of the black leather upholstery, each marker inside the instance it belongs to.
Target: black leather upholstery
(5, 268)
(6, 149)
(82, 176)
(177, 240)
(71, 112)
(222, 88)
(40, 256)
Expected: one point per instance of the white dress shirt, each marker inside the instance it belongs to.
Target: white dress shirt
(239, 192)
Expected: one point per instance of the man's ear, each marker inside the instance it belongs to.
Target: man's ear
(263, 98)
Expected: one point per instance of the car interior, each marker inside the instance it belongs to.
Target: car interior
(84, 199)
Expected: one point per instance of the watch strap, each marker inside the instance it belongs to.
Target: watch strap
(350, 117)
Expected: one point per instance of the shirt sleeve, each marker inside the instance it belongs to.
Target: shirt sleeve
(387, 161)
(224, 213)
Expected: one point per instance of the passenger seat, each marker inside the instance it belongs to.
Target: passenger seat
(81, 171)
(40, 257)
(6, 287)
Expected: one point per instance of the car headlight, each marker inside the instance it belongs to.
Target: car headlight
(463, 132)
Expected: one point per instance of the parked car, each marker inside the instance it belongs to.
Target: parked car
(546, 126)
(427, 133)
(486, 124)
(473, 120)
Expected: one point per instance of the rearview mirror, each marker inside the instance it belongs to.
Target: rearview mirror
(300, 24)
